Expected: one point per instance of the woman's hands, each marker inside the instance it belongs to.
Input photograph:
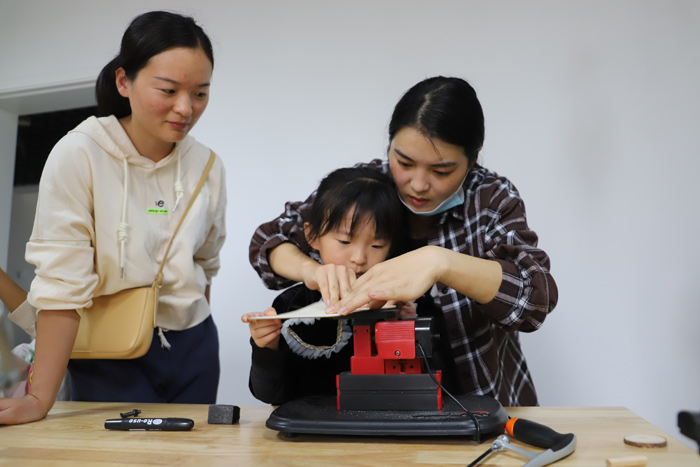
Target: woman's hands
(407, 277)
(406, 309)
(23, 410)
(265, 332)
(56, 331)
(401, 279)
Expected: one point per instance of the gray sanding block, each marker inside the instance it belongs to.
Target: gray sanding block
(223, 414)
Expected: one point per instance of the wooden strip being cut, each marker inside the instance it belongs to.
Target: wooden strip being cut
(629, 461)
(315, 310)
(646, 441)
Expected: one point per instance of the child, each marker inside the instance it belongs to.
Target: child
(22, 314)
(354, 223)
(11, 294)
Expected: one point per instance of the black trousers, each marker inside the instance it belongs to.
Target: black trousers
(188, 373)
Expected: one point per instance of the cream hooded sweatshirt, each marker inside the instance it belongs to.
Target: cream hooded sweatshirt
(105, 215)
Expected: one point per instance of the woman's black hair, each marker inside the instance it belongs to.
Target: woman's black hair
(369, 194)
(148, 34)
(442, 108)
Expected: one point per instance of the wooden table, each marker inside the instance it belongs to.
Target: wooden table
(73, 434)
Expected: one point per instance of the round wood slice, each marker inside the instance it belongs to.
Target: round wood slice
(646, 441)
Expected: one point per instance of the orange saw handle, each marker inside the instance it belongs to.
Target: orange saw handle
(536, 434)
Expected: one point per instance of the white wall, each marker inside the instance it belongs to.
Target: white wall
(592, 110)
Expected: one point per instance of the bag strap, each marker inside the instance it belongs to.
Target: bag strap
(195, 193)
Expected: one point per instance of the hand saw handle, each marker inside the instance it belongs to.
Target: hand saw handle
(536, 434)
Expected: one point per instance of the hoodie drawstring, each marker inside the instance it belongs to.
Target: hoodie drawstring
(122, 231)
(163, 341)
(179, 193)
(123, 234)
(179, 190)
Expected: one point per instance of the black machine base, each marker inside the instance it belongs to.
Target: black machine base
(388, 392)
(318, 415)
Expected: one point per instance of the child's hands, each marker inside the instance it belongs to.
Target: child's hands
(332, 280)
(265, 332)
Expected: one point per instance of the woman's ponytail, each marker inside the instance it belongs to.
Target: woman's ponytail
(109, 101)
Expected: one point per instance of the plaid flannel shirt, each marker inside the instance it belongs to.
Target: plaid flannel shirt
(483, 338)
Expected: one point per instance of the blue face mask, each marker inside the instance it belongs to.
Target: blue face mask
(453, 200)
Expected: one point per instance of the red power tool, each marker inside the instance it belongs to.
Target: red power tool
(387, 370)
(389, 391)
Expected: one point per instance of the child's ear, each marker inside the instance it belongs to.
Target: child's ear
(307, 233)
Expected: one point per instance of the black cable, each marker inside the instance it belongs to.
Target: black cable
(466, 411)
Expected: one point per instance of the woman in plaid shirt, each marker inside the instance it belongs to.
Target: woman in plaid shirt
(472, 261)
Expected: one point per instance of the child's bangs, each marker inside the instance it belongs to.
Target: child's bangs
(368, 204)
(364, 194)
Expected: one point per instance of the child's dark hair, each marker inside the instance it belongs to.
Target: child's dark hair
(365, 191)
(148, 35)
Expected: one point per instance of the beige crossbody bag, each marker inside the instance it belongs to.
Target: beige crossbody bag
(120, 325)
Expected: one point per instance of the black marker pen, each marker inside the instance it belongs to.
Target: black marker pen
(150, 424)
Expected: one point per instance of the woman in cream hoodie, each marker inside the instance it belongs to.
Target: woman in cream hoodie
(110, 197)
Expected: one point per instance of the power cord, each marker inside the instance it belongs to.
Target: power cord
(465, 410)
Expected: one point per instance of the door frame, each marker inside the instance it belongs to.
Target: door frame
(49, 97)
